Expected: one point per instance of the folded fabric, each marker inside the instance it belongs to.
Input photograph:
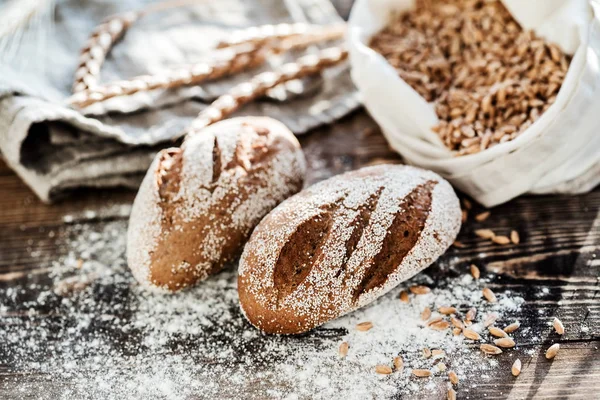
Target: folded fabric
(54, 147)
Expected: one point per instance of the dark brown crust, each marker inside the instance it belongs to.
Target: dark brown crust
(401, 237)
(302, 252)
(177, 261)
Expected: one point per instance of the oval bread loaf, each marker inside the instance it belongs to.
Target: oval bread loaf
(342, 243)
(198, 204)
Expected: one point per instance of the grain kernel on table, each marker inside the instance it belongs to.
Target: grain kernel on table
(364, 326)
(558, 326)
(552, 351)
(516, 368)
(489, 295)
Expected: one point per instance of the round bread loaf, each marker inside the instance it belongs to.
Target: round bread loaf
(198, 204)
(342, 243)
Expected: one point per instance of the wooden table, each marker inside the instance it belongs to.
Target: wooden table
(555, 268)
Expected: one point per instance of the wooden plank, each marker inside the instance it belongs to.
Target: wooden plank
(554, 268)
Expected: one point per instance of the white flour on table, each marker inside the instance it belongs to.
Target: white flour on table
(110, 339)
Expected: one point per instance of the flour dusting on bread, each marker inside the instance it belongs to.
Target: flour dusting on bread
(342, 243)
(198, 204)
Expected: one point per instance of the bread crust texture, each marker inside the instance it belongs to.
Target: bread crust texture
(198, 204)
(342, 243)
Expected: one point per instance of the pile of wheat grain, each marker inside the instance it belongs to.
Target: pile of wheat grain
(488, 78)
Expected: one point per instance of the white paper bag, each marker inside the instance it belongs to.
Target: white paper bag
(560, 152)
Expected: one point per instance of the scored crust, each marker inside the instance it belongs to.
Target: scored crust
(342, 243)
(198, 204)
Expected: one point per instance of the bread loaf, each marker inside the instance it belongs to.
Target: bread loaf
(342, 243)
(198, 204)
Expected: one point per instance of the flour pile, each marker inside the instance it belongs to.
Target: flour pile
(91, 332)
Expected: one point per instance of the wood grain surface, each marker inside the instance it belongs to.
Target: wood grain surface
(555, 268)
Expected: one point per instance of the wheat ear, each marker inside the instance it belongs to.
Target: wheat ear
(261, 35)
(262, 83)
(103, 38)
(228, 62)
(231, 61)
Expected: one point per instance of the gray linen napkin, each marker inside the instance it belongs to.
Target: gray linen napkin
(55, 148)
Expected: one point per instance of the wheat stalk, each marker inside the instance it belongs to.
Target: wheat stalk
(261, 35)
(230, 60)
(227, 62)
(262, 83)
(104, 37)
(97, 47)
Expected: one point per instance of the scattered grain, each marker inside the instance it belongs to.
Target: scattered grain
(505, 342)
(475, 271)
(404, 296)
(489, 349)
(482, 216)
(501, 240)
(447, 310)
(343, 350)
(485, 233)
(512, 327)
(426, 352)
(398, 363)
(471, 334)
(558, 326)
(364, 326)
(383, 369)
(514, 237)
(457, 323)
(421, 373)
(552, 351)
(451, 394)
(497, 332)
(419, 289)
(453, 377)
(426, 314)
(489, 295)
(516, 367)
(471, 314)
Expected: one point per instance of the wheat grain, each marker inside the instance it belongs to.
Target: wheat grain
(489, 295)
(475, 271)
(516, 368)
(419, 289)
(262, 83)
(489, 349)
(343, 349)
(404, 296)
(505, 342)
(398, 363)
(558, 326)
(438, 353)
(482, 216)
(426, 352)
(364, 326)
(453, 377)
(426, 314)
(447, 310)
(552, 351)
(421, 373)
(514, 237)
(512, 327)
(471, 314)
(440, 325)
(457, 323)
(490, 319)
(488, 81)
(451, 394)
(471, 334)
(497, 332)
(485, 233)
(501, 240)
(383, 369)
